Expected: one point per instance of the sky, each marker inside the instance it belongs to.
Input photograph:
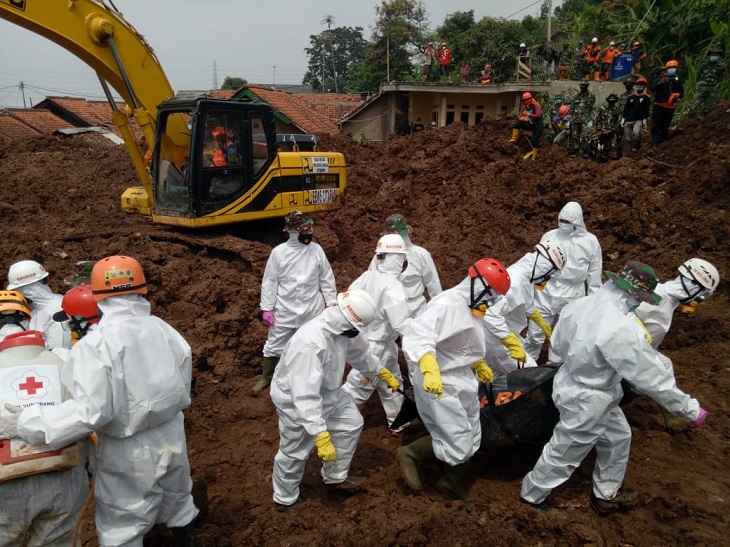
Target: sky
(261, 41)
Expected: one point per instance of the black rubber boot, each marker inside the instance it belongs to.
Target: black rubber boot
(185, 535)
(269, 365)
(452, 482)
(409, 456)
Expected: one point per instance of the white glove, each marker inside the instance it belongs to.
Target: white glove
(589, 125)
(600, 147)
(643, 124)
(623, 122)
(9, 424)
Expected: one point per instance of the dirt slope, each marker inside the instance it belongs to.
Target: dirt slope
(467, 194)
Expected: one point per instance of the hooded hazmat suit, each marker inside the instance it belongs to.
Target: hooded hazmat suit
(598, 344)
(457, 338)
(307, 392)
(43, 304)
(510, 315)
(580, 275)
(419, 276)
(41, 509)
(297, 283)
(390, 322)
(12, 328)
(130, 381)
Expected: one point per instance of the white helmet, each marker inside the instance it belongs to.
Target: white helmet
(594, 41)
(24, 273)
(523, 44)
(701, 271)
(553, 251)
(612, 44)
(391, 243)
(357, 307)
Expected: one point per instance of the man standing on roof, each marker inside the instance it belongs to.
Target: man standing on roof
(430, 62)
(598, 345)
(444, 56)
(298, 282)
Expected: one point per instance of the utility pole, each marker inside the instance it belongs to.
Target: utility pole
(549, 19)
(329, 20)
(274, 74)
(215, 75)
(22, 91)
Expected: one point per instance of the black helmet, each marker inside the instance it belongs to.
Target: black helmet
(584, 84)
(612, 98)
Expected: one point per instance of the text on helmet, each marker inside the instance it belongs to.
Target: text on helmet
(117, 274)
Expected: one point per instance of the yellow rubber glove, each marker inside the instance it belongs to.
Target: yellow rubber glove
(648, 335)
(536, 316)
(386, 376)
(325, 448)
(431, 374)
(484, 373)
(513, 344)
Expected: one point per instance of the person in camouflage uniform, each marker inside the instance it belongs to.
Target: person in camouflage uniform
(629, 86)
(582, 112)
(709, 78)
(550, 129)
(607, 134)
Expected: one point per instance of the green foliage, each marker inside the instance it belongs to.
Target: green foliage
(233, 83)
(347, 45)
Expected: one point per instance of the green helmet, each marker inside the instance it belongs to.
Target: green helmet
(396, 224)
(638, 279)
(296, 221)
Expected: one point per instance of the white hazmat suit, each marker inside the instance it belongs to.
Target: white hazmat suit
(450, 331)
(43, 304)
(391, 320)
(598, 344)
(419, 276)
(309, 399)
(40, 509)
(297, 283)
(130, 381)
(580, 275)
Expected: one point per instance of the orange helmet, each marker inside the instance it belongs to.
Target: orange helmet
(526, 96)
(443, 43)
(79, 302)
(637, 43)
(11, 301)
(672, 64)
(117, 275)
(563, 110)
(641, 80)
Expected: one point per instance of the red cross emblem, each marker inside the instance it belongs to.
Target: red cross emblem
(30, 385)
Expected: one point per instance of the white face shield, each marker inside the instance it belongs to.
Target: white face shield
(542, 271)
(36, 293)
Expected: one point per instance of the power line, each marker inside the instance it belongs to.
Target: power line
(523, 9)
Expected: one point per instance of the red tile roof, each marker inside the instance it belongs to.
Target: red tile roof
(312, 112)
(18, 123)
(83, 113)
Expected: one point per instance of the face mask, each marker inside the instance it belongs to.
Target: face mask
(640, 88)
(714, 58)
(566, 228)
(482, 297)
(671, 71)
(306, 239)
(350, 333)
(696, 294)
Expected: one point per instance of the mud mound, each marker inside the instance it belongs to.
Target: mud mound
(467, 194)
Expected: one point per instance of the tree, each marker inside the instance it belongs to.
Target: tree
(233, 83)
(348, 46)
(400, 35)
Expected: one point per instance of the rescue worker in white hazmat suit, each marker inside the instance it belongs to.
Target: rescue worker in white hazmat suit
(14, 313)
(697, 281)
(509, 317)
(598, 344)
(31, 279)
(298, 282)
(581, 274)
(421, 274)
(391, 320)
(307, 391)
(42, 496)
(130, 381)
(445, 348)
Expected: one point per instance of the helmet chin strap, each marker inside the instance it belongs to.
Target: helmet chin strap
(479, 304)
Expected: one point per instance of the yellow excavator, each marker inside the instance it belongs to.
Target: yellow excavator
(211, 161)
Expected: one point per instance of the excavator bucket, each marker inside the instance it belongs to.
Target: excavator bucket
(523, 413)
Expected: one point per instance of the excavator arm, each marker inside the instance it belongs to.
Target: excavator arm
(98, 34)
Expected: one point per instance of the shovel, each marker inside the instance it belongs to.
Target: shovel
(408, 411)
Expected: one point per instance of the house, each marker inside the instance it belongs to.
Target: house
(398, 106)
(18, 124)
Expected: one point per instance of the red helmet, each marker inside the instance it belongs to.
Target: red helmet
(526, 96)
(79, 302)
(493, 272)
(117, 275)
(488, 66)
(563, 110)
(641, 80)
(672, 64)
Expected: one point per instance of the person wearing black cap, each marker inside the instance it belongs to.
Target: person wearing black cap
(597, 345)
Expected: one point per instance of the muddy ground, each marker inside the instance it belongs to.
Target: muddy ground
(467, 194)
